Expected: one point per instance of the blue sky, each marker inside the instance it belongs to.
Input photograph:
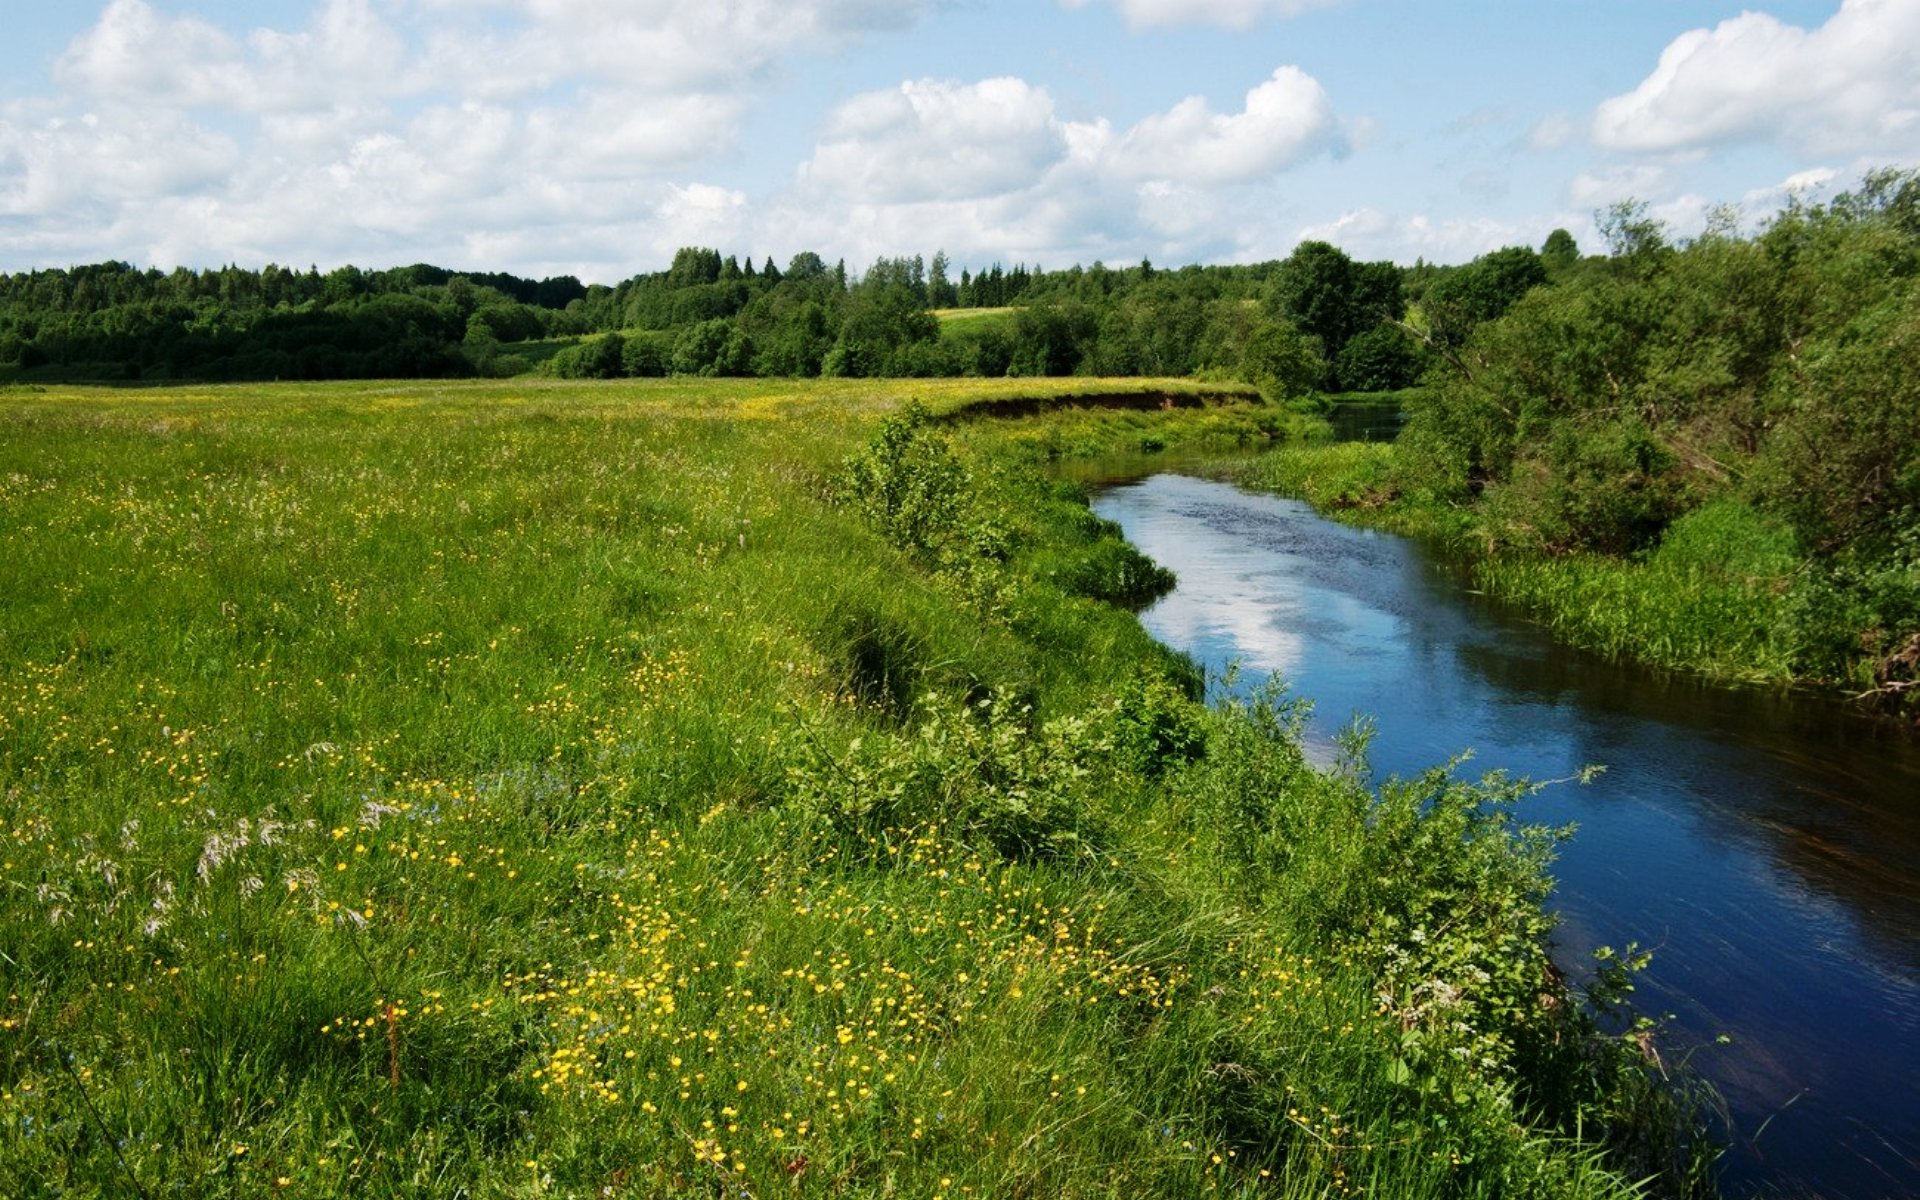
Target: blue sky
(594, 137)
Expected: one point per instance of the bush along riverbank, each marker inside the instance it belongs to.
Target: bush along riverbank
(665, 790)
(1704, 456)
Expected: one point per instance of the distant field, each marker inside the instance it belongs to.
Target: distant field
(963, 315)
(532, 354)
(971, 320)
(524, 788)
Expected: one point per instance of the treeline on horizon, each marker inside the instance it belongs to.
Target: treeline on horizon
(1317, 320)
(114, 322)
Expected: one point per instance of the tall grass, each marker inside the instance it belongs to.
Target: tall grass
(582, 790)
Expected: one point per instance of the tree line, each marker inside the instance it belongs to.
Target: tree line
(113, 321)
(1315, 321)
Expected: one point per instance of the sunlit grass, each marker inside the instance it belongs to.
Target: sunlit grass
(500, 789)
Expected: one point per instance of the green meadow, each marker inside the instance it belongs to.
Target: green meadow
(718, 787)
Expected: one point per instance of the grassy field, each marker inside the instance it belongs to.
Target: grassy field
(961, 316)
(724, 788)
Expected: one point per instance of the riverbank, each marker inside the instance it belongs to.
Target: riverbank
(1722, 595)
(1764, 845)
(659, 789)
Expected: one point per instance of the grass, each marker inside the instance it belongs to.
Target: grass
(525, 788)
(967, 316)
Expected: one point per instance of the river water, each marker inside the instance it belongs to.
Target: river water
(1765, 848)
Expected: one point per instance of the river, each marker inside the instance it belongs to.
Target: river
(1766, 848)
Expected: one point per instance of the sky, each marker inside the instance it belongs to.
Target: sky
(595, 137)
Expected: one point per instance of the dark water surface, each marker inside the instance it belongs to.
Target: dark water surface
(1767, 849)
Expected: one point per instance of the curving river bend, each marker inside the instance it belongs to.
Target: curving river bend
(1766, 848)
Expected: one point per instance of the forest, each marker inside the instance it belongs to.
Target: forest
(1316, 321)
(113, 322)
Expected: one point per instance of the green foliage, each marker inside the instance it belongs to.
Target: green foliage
(1773, 374)
(1718, 593)
(646, 356)
(1113, 571)
(909, 484)
(1333, 477)
(1282, 362)
(603, 357)
(703, 316)
(1435, 888)
(982, 773)
(710, 348)
(1314, 289)
(1607, 489)
(1559, 252)
(1479, 292)
(1050, 339)
(1382, 359)
(112, 321)
(913, 489)
(1840, 464)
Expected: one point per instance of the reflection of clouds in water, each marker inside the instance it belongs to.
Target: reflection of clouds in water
(1261, 581)
(1247, 625)
(1222, 609)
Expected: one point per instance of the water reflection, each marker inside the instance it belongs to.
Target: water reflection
(1767, 848)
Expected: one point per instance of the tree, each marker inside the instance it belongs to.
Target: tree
(1282, 361)
(715, 347)
(694, 265)
(1381, 359)
(795, 342)
(805, 267)
(1633, 237)
(1482, 290)
(940, 290)
(1315, 292)
(1051, 339)
(1559, 252)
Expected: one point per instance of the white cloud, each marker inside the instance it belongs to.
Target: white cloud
(992, 168)
(70, 168)
(658, 45)
(1801, 185)
(930, 139)
(570, 132)
(1685, 212)
(1850, 86)
(615, 134)
(1232, 14)
(136, 55)
(1285, 119)
(698, 214)
(1553, 132)
(1599, 188)
(940, 140)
